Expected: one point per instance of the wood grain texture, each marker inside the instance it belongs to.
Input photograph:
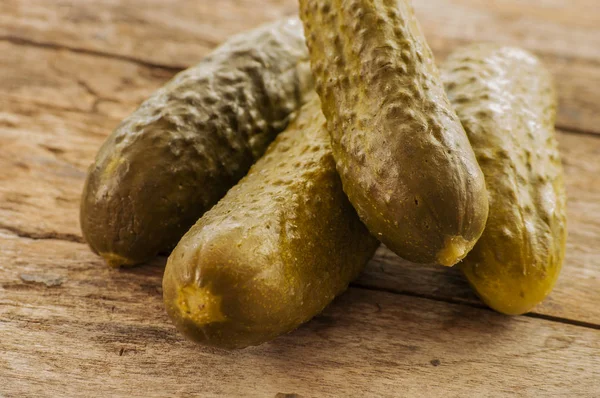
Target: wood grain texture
(176, 34)
(173, 33)
(105, 332)
(561, 28)
(170, 33)
(71, 70)
(56, 110)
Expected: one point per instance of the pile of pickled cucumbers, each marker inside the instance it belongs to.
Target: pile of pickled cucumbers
(272, 170)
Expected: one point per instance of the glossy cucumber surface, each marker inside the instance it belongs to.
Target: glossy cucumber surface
(404, 159)
(506, 101)
(274, 251)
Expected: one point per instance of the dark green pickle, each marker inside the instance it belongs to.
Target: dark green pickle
(192, 140)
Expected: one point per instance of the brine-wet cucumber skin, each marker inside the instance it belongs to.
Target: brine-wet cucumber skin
(402, 154)
(183, 148)
(274, 251)
(506, 101)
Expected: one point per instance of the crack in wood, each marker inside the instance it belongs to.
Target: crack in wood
(98, 99)
(55, 46)
(576, 130)
(52, 107)
(480, 305)
(451, 43)
(42, 235)
(559, 319)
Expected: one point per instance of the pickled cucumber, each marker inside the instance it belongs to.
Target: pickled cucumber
(182, 149)
(274, 251)
(402, 154)
(507, 104)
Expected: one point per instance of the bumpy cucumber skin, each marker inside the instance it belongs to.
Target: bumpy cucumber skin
(183, 148)
(274, 251)
(402, 154)
(506, 101)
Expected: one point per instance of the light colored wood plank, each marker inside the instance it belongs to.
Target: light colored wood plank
(563, 28)
(67, 81)
(180, 32)
(56, 113)
(105, 332)
(175, 32)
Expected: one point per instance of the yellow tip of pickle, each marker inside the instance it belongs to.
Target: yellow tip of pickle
(115, 260)
(455, 249)
(200, 305)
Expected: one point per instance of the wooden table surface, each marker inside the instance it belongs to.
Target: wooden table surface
(70, 70)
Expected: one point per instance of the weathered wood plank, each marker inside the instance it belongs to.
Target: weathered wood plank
(105, 332)
(562, 28)
(172, 33)
(179, 33)
(63, 80)
(175, 32)
(58, 106)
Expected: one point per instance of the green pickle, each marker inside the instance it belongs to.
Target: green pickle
(274, 251)
(192, 140)
(506, 101)
(403, 157)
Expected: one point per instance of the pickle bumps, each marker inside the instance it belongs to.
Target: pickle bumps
(274, 251)
(507, 104)
(403, 157)
(183, 148)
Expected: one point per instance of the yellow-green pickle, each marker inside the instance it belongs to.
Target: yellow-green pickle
(507, 104)
(274, 251)
(402, 154)
(183, 148)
